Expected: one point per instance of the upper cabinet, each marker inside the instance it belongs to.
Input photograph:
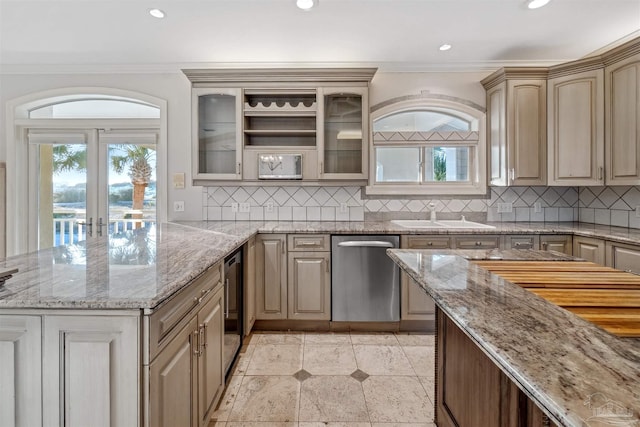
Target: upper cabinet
(622, 114)
(217, 142)
(576, 124)
(517, 126)
(268, 125)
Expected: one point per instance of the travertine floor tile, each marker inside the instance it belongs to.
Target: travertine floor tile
(329, 359)
(381, 338)
(260, 424)
(275, 359)
(228, 398)
(327, 338)
(280, 338)
(429, 386)
(243, 360)
(382, 360)
(422, 359)
(394, 399)
(332, 424)
(267, 398)
(332, 398)
(415, 339)
(402, 425)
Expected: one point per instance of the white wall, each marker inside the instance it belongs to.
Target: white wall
(175, 89)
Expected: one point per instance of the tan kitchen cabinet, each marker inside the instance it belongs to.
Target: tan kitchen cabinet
(529, 241)
(186, 379)
(557, 242)
(249, 281)
(623, 256)
(415, 304)
(271, 276)
(622, 114)
(589, 248)
(309, 278)
(478, 241)
(517, 126)
(21, 391)
(576, 124)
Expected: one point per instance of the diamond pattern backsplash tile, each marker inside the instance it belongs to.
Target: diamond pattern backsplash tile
(610, 205)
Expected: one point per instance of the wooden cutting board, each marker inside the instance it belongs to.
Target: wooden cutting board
(605, 296)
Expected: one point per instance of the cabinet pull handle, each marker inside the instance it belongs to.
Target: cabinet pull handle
(202, 339)
(239, 168)
(307, 243)
(321, 168)
(544, 245)
(600, 173)
(195, 343)
(327, 266)
(512, 173)
(226, 299)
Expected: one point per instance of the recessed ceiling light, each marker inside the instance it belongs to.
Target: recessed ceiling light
(306, 4)
(445, 47)
(156, 13)
(534, 4)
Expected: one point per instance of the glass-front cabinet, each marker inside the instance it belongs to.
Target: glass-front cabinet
(217, 141)
(343, 139)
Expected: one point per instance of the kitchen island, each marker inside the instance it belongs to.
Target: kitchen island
(574, 372)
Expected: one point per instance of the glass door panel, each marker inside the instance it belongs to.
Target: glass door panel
(343, 129)
(217, 137)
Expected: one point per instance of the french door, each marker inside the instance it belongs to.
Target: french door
(89, 183)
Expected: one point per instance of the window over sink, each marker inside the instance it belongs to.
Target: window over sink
(428, 146)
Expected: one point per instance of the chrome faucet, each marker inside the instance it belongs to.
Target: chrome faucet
(432, 216)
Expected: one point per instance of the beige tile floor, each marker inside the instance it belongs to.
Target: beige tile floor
(331, 379)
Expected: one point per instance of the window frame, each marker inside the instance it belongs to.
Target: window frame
(465, 110)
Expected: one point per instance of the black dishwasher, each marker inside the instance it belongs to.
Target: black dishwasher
(232, 308)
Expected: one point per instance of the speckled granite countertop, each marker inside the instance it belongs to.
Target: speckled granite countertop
(558, 359)
(142, 269)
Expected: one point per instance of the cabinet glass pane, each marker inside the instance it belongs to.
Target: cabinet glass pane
(446, 164)
(343, 133)
(400, 164)
(217, 134)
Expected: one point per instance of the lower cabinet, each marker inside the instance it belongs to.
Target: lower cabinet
(20, 370)
(557, 242)
(623, 257)
(309, 287)
(91, 370)
(186, 379)
(589, 248)
(271, 276)
(472, 391)
(415, 304)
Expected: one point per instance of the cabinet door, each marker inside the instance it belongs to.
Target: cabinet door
(623, 257)
(309, 286)
(216, 134)
(249, 280)
(576, 129)
(557, 243)
(521, 242)
(172, 381)
(415, 304)
(343, 130)
(20, 371)
(497, 123)
(622, 123)
(210, 359)
(589, 249)
(91, 371)
(271, 276)
(477, 242)
(527, 132)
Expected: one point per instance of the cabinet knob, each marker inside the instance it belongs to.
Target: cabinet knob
(429, 243)
(478, 243)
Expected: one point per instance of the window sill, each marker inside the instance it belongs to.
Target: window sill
(426, 190)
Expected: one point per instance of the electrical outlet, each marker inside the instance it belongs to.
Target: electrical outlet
(537, 207)
(269, 206)
(637, 211)
(245, 207)
(178, 206)
(505, 207)
(234, 207)
(344, 208)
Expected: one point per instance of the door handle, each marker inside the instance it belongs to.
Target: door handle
(100, 224)
(226, 299)
(365, 244)
(89, 226)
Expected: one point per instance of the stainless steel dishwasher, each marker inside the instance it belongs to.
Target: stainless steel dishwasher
(365, 282)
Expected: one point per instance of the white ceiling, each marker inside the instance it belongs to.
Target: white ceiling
(390, 34)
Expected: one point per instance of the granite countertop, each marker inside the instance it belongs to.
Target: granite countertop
(141, 269)
(131, 270)
(559, 360)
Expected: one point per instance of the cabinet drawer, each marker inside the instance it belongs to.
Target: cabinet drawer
(308, 242)
(477, 242)
(521, 242)
(166, 321)
(426, 242)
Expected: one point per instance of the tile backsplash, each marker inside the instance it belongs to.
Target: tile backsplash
(599, 205)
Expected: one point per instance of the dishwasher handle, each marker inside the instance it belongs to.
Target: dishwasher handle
(365, 244)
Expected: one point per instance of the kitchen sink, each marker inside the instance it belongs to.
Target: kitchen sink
(425, 223)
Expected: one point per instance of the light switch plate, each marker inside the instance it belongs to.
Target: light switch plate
(178, 206)
(245, 207)
(178, 180)
(344, 208)
(637, 211)
(269, 207)
(234, 207)
(537, 207)
(505, 207)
